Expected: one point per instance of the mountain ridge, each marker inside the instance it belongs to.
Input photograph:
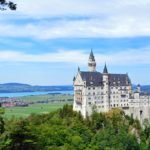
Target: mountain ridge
(22, 87)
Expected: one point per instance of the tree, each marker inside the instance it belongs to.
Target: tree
(1, 120)
(4, 4)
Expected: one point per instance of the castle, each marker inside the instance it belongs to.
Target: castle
(96, 91)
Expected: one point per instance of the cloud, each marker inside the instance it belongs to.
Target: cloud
(77, 19)
(92, 28)
(129, 57)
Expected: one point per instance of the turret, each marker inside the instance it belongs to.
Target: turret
(78, 69)
(106, 88)
(105, 71)
(137, 92)
(138, 88)
(91, 62)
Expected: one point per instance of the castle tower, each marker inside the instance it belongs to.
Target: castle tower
(106, 89)
(91, 62)
(138, 88)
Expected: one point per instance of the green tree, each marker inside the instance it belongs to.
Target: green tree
(1, 120)
(7, 4)
(22, 136)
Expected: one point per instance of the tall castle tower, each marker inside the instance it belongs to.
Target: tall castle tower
(106, 89)
(91, 62)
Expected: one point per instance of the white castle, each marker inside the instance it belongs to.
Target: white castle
(96, 91)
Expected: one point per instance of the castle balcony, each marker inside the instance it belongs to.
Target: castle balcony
(78, 96)
(125, 107)
(78, 101)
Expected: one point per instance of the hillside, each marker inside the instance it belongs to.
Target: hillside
(18, 87)
(67, 130)
(144, 88)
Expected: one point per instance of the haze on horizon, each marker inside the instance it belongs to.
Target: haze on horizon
(43, 43)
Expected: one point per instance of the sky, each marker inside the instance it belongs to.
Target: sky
(44, 42)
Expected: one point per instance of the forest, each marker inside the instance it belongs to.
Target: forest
(65, 129)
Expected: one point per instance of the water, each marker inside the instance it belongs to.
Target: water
(32, 93)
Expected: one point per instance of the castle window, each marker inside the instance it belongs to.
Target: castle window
(93, 88)
(93, 93)
(114, 105)
(89, 103)
(89, 88)
(89, 93)
(91, 82)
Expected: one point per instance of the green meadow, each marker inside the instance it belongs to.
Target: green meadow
(50, 97)
(58, 101)
(18, 112)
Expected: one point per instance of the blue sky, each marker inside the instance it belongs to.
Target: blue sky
(43, 43)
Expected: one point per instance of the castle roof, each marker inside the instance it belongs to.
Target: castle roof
(119, 79)
(92, 78)
(95, 79)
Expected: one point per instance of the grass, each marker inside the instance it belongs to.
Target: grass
(18, 112)
(46, 97)
(38, 108)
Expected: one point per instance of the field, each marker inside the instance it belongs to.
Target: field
(55, 102)
(50, 97)
(18, 112)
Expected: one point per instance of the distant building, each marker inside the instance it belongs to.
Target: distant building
(101, 92)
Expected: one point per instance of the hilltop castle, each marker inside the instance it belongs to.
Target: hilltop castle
(101, 92)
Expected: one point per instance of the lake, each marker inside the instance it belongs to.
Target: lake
(32, 93)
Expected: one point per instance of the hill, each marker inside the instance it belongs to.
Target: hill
(19, 87)
(144, 88)
(67, 130)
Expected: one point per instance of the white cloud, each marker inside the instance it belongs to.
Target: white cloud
(111, 18)
(129, 57)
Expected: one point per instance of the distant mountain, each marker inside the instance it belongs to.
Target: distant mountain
(15, 84)
(19, 87)
(144, 88)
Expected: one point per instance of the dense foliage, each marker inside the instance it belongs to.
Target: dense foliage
(4, 4)
(67, 130)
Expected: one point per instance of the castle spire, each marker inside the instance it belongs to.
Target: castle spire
(92, 56)
(74, 78)
(91, 62)
(78, 69)
(105, 69)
